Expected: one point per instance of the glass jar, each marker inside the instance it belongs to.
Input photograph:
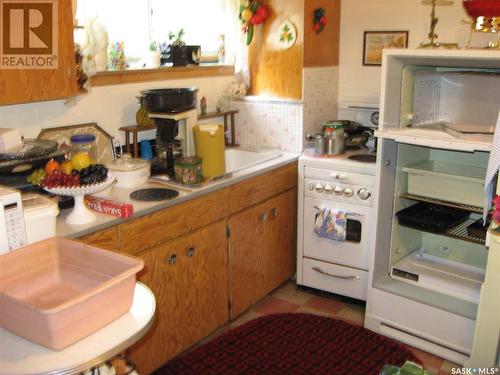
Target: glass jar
(84, 143)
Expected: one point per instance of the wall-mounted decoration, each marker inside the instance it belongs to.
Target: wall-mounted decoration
(287, 35)
(375, 41)
(319, 20)
(252, 14)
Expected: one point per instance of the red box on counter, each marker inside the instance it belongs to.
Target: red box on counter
(109, 207)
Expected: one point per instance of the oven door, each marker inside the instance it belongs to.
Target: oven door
(354, 251)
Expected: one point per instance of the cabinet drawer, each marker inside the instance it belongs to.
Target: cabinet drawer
(260, 188)
(151, 230)
(343, 284)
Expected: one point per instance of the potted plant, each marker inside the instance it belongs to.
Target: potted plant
(178, 48)
(154, 56)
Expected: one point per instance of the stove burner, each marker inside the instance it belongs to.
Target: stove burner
(153, 194)
(364, 158)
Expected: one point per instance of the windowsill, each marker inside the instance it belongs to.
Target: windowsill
(117, 77)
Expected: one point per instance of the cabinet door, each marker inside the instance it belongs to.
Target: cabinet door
(262, 250)
(29, 85)
(284, 255)
(251, 243)
(189, 279)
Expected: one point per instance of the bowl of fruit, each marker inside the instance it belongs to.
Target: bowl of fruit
(76, 177)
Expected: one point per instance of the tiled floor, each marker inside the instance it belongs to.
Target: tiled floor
(288, 298)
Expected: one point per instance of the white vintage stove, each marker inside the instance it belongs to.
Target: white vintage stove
(343, 183)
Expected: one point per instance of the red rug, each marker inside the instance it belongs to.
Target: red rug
(292, 344)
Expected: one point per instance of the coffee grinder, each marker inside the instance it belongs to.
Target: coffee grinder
(174, 137)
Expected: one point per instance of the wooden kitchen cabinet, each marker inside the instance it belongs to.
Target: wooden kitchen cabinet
(105, 239)
(189, 278)
(262, 249)
(151, 230)
(30, 85)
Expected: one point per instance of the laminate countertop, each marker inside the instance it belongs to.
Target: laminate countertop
(185, 193)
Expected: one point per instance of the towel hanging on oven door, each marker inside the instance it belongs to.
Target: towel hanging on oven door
(331, 224)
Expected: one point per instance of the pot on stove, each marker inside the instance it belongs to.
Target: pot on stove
(334, 144)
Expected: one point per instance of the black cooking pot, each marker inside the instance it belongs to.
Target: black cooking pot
(169, 100)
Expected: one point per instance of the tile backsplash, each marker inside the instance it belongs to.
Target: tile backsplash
(320, 93)
(269, 124)
(283, 124)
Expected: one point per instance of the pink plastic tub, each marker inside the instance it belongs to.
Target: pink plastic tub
(56, 292)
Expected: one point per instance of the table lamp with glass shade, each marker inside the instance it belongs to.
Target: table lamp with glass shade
(432, 43)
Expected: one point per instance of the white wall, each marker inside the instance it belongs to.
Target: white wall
(358, 83)
(110, 106)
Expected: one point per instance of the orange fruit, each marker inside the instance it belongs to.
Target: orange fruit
(51, 166)
(66, 167)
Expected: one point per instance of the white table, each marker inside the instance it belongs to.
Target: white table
(22, 357)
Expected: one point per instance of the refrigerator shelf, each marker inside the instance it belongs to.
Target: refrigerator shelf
(462, 206)
(458, 232)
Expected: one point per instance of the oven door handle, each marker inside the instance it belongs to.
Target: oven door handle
(353, 278)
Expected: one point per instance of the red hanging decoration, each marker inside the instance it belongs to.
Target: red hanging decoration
(319, 20)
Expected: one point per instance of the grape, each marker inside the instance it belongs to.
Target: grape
(36, 176)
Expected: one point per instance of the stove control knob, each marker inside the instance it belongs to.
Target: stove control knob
(328, 189)
(348, 192)
(364, 194)
(311, 186)
(338, 190)
(318, 187)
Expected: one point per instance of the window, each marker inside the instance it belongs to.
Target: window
(137, 23)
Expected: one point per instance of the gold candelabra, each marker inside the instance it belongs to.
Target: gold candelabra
(432, 35)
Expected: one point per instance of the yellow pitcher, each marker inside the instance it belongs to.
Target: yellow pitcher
(209, 144)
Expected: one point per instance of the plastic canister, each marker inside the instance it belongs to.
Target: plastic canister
(209, 144)
(40, 215)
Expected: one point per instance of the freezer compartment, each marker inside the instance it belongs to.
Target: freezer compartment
(441, 275)
(422, 89)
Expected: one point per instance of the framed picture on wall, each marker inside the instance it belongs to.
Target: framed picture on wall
(375, 41)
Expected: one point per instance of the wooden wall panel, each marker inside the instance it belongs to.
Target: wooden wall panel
(322, 49)
(276, 72)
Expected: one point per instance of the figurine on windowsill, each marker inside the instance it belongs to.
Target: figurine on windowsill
(203, 106)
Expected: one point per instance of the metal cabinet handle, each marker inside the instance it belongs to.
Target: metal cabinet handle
(172, 259)
(190, 251)
(263, 217)
(319, 270)
(275, 212)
